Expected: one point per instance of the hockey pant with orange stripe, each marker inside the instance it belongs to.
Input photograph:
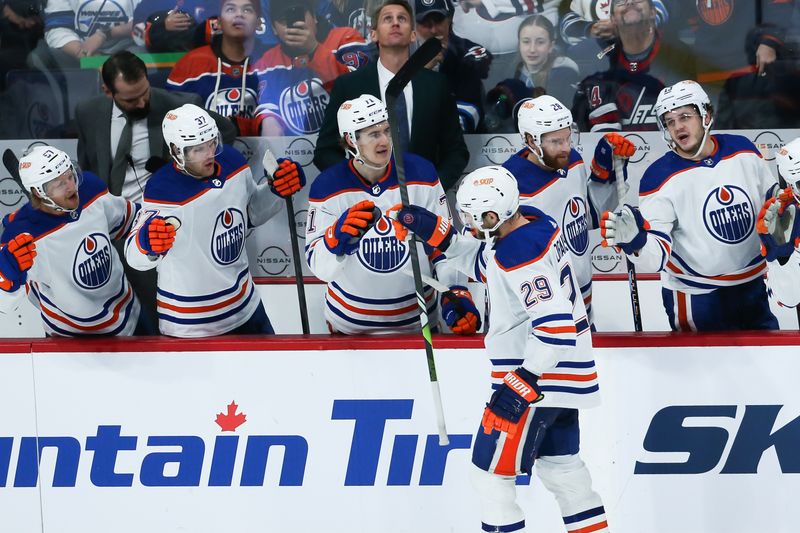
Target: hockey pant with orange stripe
(550, 437)
(736, 307)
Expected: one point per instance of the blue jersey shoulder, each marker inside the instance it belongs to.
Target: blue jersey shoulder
(29, 220)
(730, 144)
(91, 186)
(660, 170)
(526, 244)
(332, 180)
(418, 169)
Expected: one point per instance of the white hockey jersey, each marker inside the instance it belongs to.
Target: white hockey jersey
(204, 282)
(702, 216)
(783, 281)
(370, 291)
(76, 279)
(536, 318)
(75, 20)
(573, 200)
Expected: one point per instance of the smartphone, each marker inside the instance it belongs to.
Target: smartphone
(294, 14)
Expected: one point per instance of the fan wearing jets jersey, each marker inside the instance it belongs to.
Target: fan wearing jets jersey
(696, 221)
(540, 346)
(57, 248)
(192, 228)
(552, 177)
(350, 243)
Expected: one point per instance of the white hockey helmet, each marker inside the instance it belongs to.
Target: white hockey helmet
(686, 92)
(541, 115)
(788, 159)
(357, 114)
(487, 189)
(43, 164)
(188, 126)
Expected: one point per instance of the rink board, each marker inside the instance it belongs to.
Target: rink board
(690, 439)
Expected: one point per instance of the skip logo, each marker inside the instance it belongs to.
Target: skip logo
(702, 434)
(380, 251)
(91, 268)
(227, 241)
(728, 214)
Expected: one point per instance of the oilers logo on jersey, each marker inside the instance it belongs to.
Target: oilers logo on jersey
(228, 102)
(576, 229)
(91, 268)
(95, 14)
(303, 106)
(380, 251)
(728, 214)
(227, 240)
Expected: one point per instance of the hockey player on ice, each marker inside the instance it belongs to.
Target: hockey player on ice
(779, 229)
(192, 228)
(697, 218)
(57, 248)
(540, 346)
(350, 244)
(552, 177)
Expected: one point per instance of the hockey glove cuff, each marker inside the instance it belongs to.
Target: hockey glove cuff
(288, 179)
(16, 258)
(509, 402)
(342, 237)
(778, 228)
(627, 229)
(434, 230)
(610, 146)
(459, 311)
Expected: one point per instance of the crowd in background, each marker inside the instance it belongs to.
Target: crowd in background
(270, 64)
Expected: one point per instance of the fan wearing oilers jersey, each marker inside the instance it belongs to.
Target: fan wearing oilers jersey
(779, 229)
(551, 176)
(351, 244)
(192, 229)
(696, 223)
(57, 248)
(222, 73)
(540, 346)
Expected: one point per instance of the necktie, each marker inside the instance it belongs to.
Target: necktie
(401, 113)
(120, 164)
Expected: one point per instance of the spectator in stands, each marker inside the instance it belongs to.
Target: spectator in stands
(431, 128)
(720, 38)
(21, 27)
(622, 80)
(297, 74)
(463, 62)
(222, 73)
(120, 140)
(75, 29)
(57, 249)
(587, 18)
(170, 26)
(353, 13)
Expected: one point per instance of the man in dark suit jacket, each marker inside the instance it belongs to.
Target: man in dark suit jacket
(435, 132)
(121, 157)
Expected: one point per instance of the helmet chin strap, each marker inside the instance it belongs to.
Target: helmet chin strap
(360, 159)
(539, 155)
(48, 202)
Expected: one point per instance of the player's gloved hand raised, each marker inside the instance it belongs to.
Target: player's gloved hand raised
(778, 227)
(342, 236)
(156, 236)
(459, 311)
(611, 145)
(16, 258)
(436, 231)
(627, 229)
(509, 402)
(288, 179)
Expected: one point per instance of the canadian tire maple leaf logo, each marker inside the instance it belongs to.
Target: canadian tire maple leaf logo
(231, 420)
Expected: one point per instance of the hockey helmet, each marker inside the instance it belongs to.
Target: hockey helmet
(541, 115)
(359, 113)
(788, 159)
(491, 188)
(188, 126)
(686, 92)
(43, 164)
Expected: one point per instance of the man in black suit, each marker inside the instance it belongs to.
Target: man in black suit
(432, 128)
(120, 133)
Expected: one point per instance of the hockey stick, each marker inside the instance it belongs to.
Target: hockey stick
(416, 63)
(632, 283)
(11, 163)
(270, 166)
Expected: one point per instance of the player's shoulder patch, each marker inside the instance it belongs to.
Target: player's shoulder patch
(526, 244)
(661, 170)
(732, 144)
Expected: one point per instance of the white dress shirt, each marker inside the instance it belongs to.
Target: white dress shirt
(384, 77)
(136, 176)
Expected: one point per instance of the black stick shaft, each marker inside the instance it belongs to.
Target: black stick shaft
(298, 267)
